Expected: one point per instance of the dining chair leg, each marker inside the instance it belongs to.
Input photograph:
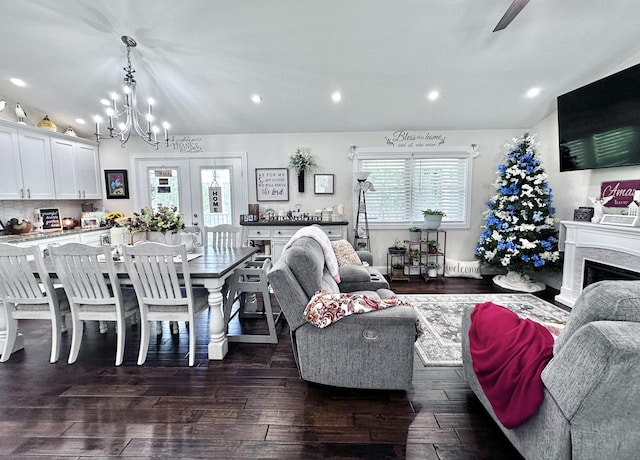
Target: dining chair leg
(103, 327)
(175, 328)
(120, 336)
(144, 340)
(56, 337)
(158, 327)
(192, 347)
(63, 324)
(76, 338)
(10, 338)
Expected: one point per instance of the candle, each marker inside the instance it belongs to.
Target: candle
(116, 235)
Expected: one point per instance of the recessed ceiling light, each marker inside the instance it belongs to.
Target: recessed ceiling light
(105, 102)
(336, 96)
(80, 121)
(256, 98)
(433, 95)
(17, 82)
(533, 92)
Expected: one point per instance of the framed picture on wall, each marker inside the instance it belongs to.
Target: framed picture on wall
(272, 184)
(116, 183)
(323, 184)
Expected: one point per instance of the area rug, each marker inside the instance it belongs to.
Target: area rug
(441, 318)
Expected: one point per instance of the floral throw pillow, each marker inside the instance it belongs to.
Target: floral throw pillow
(345, 253)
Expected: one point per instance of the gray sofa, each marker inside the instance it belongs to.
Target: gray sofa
(369, 350)
(591, 406)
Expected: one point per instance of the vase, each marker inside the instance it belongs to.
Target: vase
(170, 238)
(301, 181)
(432, 221)
(516, 281)
(432, 272)
(414, 237)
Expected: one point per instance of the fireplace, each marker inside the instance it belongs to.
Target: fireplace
(595, 271)
(595, 252)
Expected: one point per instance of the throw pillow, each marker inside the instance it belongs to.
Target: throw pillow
(345, 253)
(455, 268)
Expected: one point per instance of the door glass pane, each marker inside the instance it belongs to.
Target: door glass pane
(219, 177)
(164, 187)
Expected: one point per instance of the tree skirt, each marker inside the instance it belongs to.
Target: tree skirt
(441, 318)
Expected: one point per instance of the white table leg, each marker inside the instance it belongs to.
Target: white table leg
(218, 344)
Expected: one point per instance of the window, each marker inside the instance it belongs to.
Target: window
(407, 181)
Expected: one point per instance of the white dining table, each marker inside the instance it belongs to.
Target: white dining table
(209, 270)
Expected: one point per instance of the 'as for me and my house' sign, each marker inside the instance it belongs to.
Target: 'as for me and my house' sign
(622, 192)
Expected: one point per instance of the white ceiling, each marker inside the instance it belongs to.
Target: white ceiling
(202, 60)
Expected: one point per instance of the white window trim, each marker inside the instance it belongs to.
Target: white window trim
(463, 152)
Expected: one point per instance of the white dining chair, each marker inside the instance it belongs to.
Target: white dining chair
(91, 295)
(243, 286)
(27, 292)
(164, 292)
(222, 236)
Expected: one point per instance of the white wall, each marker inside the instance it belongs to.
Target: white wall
(330, 152)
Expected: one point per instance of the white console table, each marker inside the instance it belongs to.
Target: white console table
(277, 233)
(612, 245)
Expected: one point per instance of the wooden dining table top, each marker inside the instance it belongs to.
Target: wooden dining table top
(211, 263)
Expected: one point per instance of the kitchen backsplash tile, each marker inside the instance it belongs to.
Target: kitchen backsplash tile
(23, 209)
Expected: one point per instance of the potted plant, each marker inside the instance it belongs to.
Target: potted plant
(415, 257)
(398, 247)
(414, 234)
(432, 246)
(432, 269)
(397, 270)
(433, 218)
(301, 161)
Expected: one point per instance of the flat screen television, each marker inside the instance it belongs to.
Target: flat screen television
(599, 124)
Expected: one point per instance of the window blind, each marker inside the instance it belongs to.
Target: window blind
(406, 185)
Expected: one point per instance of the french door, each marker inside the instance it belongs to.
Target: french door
(208, 189)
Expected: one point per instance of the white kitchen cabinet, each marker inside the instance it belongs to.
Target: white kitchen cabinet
(37, 172)
(42, 165)
(76, 169)
(11, 183)
(26, 156)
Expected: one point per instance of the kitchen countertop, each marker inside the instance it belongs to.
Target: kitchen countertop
(46, 234)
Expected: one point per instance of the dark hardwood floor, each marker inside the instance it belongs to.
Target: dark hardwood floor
(250, 405)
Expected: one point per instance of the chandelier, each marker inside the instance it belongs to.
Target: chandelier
(122, 121)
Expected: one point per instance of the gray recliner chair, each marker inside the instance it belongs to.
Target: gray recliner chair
(591, 400)
(369, 350)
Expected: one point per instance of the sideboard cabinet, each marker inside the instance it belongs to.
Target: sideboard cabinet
(272, 236)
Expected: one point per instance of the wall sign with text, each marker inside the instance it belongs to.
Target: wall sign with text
(622, 192)
(272, 184)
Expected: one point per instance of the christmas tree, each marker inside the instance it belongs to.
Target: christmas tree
(519, 232)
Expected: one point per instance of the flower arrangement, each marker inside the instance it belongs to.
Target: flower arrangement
(113, 218)
(519, 232)
(300, 160)
(164, 219)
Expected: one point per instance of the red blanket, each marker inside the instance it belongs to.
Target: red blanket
(509, 354)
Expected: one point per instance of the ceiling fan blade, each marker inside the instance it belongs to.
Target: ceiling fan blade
(510, 14)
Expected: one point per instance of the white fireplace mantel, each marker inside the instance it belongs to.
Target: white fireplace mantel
(612, 245)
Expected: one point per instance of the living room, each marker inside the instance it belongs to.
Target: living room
(389, 57)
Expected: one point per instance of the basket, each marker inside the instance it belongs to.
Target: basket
(19, 231)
